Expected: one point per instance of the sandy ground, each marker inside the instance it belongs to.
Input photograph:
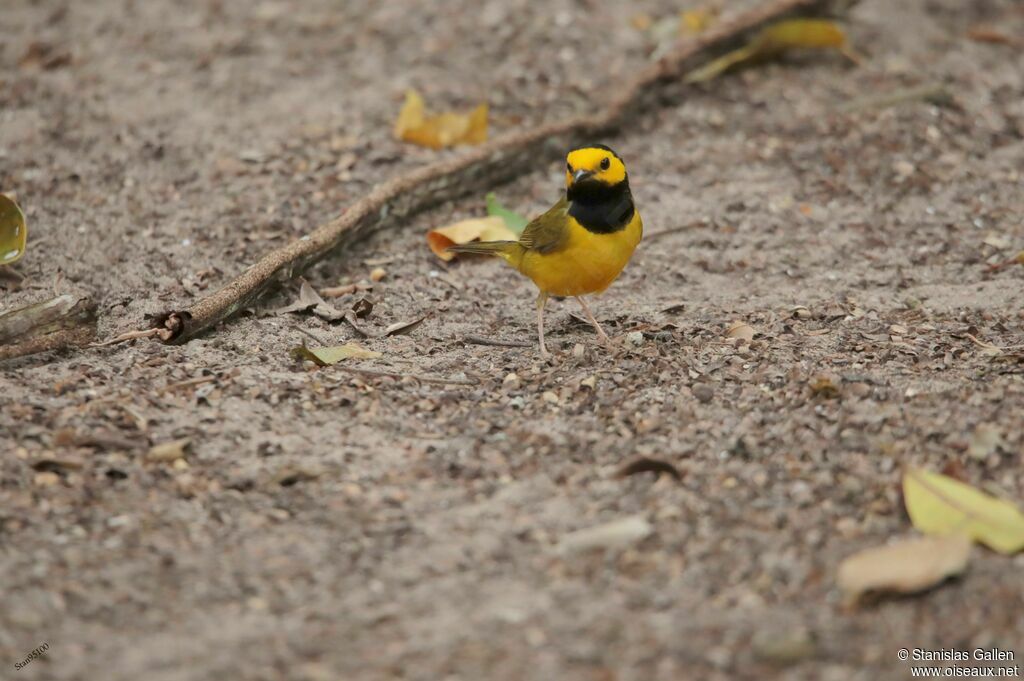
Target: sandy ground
(327, 525)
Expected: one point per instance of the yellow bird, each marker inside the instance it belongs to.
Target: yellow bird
(583, 242)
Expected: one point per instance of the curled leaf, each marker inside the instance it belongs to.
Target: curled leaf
(940, 505)
(308, 300)
(13, 231)
(643, 464)
(906, 567)
(491, 228)
(514, 221)
(774, 40)
(327, 356)
(441, 130)
(741, 330)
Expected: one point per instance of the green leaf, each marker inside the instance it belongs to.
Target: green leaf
(13, 231)
(514, 221)
(325, 357)
(938, 504)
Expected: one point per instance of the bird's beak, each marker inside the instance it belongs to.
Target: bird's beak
(581, 175)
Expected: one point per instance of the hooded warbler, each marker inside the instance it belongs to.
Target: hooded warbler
(582, 243)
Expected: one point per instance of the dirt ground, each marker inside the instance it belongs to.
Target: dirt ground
(330, 525)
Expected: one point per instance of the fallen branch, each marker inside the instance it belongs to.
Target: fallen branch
(477, 169)
(61, 322)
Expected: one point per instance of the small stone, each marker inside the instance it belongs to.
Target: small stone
(783, 646)
(511, 381)
(378, 273)
(903, 169)
(635, 338)
(46, 479)
(550, 397)
(578, 351)
(985, 440)
(589, 382)
(703, 392)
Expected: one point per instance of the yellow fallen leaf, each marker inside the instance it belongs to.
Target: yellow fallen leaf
(906, 567)
(442, 130)
(13, 232)
(327, 356)
(938, 504)
(774, 40)
(490, 228)
(694, 21)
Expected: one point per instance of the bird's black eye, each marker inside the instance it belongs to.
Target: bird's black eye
(605, 163)
(568, 166)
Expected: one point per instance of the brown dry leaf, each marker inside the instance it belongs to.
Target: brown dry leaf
(776, 39)
(825, 387)
(643, 464)
(442, 130)
(490, 228)
(402, 328)
(327, 356)
(940, 505)
(905, 567)
(309, 299)
(168, 451)
(741, 330)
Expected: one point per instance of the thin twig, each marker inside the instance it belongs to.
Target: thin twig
(127, 336)
(672, 230)
(480, 340)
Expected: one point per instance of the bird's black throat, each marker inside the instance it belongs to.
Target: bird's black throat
(601, 208)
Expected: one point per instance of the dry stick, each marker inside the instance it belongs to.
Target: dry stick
(494, 342)
(481, 167)
(54, 324)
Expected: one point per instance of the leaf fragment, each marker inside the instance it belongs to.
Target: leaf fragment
(441, 130)
(741, 330)
(615, 534)
(938, 505)
(325, 357)
(694, 21)
(905, 567)
(490, 228)
(513, 220)
(13, 231)
(310, 300)
(168, 451)
(402, 328)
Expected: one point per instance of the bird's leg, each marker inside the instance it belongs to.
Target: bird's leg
(542, 299)
(590, 317)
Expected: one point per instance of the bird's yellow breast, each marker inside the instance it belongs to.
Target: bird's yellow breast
(586, 262)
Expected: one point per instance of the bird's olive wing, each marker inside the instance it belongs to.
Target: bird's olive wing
(547, 232)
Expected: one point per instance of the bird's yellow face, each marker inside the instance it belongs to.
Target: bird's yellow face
(594, 164)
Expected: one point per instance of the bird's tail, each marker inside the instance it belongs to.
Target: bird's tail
(504, 249)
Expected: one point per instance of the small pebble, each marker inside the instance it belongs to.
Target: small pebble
(703, 392)
(635, 338)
